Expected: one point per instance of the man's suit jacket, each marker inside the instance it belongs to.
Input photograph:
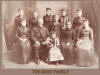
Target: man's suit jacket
(39, 34)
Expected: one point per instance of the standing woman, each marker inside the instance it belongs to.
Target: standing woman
(85, 46)
(18, 18)
(67, 43)
(23, 41)
(47, 19)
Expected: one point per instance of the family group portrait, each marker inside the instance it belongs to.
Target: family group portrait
(50, 34)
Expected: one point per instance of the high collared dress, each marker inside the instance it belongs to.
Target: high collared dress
(23, 43)
(67, 45)
(85, 55)
(47, 21)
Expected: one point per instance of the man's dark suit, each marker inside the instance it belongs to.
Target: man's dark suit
(39, 34)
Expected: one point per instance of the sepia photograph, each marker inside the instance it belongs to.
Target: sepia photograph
(50, 34)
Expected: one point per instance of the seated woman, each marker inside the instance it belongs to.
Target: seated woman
(55, 56)
(67, 43)
(23, 42)
(85, 46)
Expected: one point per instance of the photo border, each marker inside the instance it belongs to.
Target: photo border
(29, 71)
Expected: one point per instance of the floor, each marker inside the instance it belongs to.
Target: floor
(9, 62)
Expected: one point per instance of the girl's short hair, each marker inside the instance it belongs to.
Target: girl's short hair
(55, 16)
(79, 10)
(52, 32)
(86, 20)
(48, 8)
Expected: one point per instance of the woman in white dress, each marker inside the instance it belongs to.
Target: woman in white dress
(85, 55)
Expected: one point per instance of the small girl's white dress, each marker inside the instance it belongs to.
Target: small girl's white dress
(55, 53)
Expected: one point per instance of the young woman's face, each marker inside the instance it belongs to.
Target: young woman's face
(48, 12)
(79, 13)
(21, 12)
(23, 23)
(63, 13)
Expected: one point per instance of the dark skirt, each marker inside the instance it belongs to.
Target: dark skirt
(67, 51)
(23, 50)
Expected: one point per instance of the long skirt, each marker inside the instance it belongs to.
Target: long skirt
(67, 52)
(25, 49)
(55, 54)
(85, 56)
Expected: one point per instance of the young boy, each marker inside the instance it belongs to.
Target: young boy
(56, 26)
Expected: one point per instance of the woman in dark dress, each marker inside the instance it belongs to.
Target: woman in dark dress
(85, 46)
(23, 42)
(67, 42)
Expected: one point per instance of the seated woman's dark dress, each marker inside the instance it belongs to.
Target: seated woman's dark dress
(23, 44)
(67, 42)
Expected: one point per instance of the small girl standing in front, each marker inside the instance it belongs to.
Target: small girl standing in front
(55, 55)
